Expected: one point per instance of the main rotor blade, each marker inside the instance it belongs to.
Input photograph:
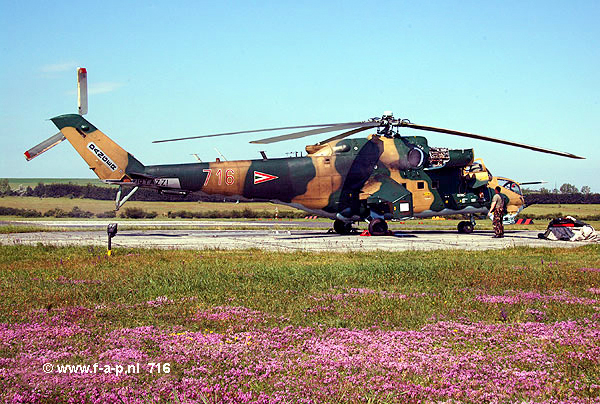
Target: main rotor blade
(533, 182)
(489, 139)
(298, 135)
(343, 135)
(246, 131)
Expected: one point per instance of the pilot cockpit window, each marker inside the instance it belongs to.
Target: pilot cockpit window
(510, 185)
(515, 188)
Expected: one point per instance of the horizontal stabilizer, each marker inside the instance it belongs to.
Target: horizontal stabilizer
(45, 145)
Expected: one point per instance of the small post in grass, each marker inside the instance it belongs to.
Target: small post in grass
(111, 229)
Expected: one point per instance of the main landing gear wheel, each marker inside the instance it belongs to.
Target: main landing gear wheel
(341, 227)
(465, 227)
(378, 227)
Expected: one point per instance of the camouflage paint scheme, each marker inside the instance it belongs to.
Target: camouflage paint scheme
(352, 179)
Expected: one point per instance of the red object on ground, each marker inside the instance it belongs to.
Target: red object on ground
(366, 233)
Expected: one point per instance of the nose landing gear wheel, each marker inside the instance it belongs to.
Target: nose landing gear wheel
(465, 227)
(378, 227)
(341, 227)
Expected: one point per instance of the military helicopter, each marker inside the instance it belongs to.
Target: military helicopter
(385, 176)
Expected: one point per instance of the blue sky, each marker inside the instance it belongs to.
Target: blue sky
(522, 70)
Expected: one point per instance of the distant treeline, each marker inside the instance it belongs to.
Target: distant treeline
(137, 213)
(56, 212)
(90, 191)
(576, 198)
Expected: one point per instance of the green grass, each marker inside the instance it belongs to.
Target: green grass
(10, 228)
(576, 210)
(301, 324)
(293, 284)
(162, 208)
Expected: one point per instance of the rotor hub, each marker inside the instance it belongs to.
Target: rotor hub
(386, 124)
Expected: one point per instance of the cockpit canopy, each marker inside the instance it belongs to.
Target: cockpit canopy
(510, 185)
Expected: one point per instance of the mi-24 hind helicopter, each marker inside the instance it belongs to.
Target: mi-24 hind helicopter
(382, 177)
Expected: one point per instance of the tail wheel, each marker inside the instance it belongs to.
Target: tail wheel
(378, 227)
(341, 227)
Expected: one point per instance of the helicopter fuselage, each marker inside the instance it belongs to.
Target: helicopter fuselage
(355, 178)
(352, 179)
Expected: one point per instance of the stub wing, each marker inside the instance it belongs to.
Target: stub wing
(387, 197)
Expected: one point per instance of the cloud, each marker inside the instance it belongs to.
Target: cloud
(103, 87)
(59, 67)
(100, 88)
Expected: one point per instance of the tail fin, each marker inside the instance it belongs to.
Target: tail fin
(108, 160)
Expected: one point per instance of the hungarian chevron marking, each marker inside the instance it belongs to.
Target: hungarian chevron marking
(259, 177)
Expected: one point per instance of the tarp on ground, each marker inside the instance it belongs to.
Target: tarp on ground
(570, 229)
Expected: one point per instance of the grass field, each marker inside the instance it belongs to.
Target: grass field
(515, 325)
(162, 208)
(576, 210)
(15, 183)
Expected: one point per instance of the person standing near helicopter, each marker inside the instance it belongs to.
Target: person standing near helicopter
(497, 209)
